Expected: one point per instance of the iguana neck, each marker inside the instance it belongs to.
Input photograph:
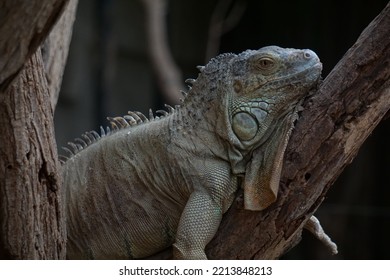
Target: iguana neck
(203, 127)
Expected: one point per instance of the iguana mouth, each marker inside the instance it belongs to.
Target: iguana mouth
(308, 76)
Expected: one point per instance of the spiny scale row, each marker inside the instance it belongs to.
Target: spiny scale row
(116, 123)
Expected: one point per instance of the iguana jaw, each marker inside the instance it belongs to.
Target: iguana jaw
(305, 79)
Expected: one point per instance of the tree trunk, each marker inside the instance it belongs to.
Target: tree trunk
(55, 50)
(348, 105)
(31, 209)
(23, 27)
(32, 214)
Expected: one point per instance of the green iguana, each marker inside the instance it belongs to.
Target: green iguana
(149, 183)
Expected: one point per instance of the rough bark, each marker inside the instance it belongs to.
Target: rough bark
(31, 210)
(55, 50)
(337, 119)
(23, 27)
(32, 216)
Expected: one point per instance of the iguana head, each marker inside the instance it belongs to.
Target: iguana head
(266, 86)
(257, 93)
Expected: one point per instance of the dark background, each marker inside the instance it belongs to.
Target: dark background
(109, 72)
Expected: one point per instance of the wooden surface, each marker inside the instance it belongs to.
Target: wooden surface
(23, 27)
(31, 210)
(32, 213)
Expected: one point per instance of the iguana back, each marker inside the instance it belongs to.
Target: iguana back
(113, 192)
(153, 183)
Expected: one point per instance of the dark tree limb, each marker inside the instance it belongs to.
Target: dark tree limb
(23, 27)
(167, 72)
(222, 20)
(32, 221)
(337, 119)
(55, 50)
(32, 213)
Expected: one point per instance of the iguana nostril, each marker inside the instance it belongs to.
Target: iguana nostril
(307, 55)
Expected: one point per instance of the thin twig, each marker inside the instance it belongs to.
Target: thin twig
(168, 74)
(221, 22)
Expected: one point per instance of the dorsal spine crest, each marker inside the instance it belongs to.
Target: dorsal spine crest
(133, 118)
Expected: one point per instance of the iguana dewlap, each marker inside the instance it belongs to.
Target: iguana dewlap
(152, 183)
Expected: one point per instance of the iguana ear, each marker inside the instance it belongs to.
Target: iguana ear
(262, 174)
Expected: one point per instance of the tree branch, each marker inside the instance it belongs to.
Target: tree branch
(222, 22)
(55, 50)
(348, 105)
(32, 215)
(167, 72)
(23, 27)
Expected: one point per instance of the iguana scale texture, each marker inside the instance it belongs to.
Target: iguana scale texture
(149, 183)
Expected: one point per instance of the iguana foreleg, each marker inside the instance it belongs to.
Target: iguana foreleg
(314, 226)
(198, 224)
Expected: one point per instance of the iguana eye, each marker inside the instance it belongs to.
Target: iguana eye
(265, 63)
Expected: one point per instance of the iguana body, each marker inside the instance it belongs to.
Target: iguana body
(157, 182)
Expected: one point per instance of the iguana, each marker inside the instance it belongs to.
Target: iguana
(149, 183)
